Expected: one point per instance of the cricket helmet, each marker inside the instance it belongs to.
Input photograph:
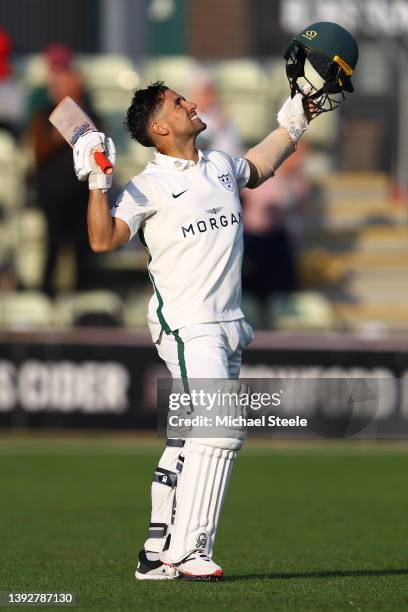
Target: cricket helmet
(323, 56)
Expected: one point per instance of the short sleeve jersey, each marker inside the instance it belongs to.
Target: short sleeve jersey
(188, 215)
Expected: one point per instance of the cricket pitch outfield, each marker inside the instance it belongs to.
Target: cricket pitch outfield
(319, 525)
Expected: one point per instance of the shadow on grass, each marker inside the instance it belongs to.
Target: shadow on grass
(331, 574)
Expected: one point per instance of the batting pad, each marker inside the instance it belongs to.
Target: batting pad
(200, 494)
(163, 492)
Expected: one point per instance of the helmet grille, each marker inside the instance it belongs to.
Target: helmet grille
(323, 97)
(321, 63)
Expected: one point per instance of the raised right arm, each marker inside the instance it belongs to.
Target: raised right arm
(110, 229)
(106, 233)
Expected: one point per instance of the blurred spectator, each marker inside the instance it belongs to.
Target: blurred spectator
(12, 99)
(220, 134)
(59, 194)
(272, 216)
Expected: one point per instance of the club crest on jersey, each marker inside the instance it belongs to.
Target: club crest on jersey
(226, 181)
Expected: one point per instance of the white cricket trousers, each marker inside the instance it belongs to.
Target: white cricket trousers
(203, 350)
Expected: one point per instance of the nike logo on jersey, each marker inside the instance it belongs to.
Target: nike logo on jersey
(214, 211)
(177, 195)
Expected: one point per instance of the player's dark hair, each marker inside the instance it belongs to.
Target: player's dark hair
(144, 104)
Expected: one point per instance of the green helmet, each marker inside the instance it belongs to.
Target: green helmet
(332, 53)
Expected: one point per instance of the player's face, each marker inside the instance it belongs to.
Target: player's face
(179, 115)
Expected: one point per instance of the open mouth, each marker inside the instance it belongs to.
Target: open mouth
(194, 116)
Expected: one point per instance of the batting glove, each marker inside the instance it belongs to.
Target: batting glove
(84, 163)
(293, 118)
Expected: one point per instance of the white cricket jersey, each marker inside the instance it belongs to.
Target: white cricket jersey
(189, 217)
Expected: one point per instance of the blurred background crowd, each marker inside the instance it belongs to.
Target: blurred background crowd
(326, 240)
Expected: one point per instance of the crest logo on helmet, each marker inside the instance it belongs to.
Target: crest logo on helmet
(309, 34)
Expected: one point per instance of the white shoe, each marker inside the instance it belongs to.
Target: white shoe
(196, 566)
(153, 570)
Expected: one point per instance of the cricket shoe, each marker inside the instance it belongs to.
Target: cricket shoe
(196, 566)
(153, 569)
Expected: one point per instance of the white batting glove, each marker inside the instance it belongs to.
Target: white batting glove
(292, 116)
(84, 163)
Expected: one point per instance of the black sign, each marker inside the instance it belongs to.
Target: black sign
(108, 379)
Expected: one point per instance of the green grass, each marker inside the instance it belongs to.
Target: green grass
(303, 528)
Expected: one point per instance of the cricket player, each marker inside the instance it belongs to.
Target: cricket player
(185, 206)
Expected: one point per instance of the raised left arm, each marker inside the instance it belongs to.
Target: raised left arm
(266, 157)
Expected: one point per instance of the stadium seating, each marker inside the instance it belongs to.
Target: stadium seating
(113, 72)
(25, 310)
(31, 233)
(358, 234)
(246, 94)
(9, 171)
(32, 71)
(135, 308)
(11, 195)
(301, 311)
(91, 308)
(253, 311)
(176, 71)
